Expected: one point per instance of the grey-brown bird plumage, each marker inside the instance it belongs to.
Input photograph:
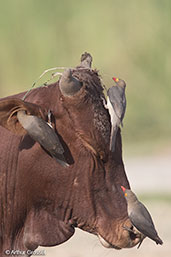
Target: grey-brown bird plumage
(140, 216)
(42, 133)
(116, 104)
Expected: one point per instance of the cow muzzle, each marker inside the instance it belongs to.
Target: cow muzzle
(127, 236)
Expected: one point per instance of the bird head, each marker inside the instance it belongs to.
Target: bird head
(124, 190)
(129, 195)
(119, 82)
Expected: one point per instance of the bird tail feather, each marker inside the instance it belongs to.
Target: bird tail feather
(113, 138)
(62, 162)
(158, 240)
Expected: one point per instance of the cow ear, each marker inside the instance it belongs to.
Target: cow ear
(8, 114)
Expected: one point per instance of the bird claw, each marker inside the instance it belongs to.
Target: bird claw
(136, 235)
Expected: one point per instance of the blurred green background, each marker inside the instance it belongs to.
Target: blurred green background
(128, 39)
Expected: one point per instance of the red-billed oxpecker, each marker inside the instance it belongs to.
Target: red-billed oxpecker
(116, 104)
(140, 217)
(43, 133)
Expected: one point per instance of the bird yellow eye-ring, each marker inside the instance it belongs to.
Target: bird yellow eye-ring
(115, 79)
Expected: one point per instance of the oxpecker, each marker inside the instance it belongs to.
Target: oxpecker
(116, 104)
(43, 133)
(140, 217)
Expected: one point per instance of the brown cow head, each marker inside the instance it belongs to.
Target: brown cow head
(86, 194)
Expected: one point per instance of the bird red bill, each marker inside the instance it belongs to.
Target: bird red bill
(115, 79)
(123, 188)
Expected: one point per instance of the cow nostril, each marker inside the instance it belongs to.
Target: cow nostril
(132, 235)
(131, 232)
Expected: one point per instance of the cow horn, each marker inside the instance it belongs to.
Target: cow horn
(69, 85)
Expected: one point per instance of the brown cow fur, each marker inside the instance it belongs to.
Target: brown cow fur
(41, 201)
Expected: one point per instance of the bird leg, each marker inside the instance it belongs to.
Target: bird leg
(137, 235)
(142, 238)
(128, 229)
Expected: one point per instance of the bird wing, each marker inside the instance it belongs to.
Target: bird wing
(141, 219)
(42, 133)
(113, 134)
(118, 100)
